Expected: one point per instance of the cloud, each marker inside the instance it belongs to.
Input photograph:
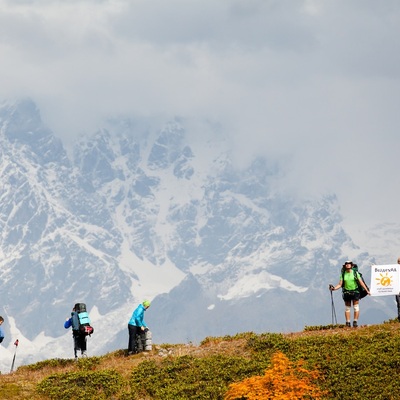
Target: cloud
(318, 81)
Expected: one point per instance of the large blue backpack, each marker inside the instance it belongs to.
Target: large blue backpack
(81, 320)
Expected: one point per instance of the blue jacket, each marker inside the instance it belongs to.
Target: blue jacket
(137, 316)
(68, 323)
(1, 334)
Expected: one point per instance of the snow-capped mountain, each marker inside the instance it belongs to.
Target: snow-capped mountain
(161, 214)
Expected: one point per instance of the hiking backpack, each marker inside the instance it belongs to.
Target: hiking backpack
(362, 291)
(81, 320)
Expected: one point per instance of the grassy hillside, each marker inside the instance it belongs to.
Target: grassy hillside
(341, 363)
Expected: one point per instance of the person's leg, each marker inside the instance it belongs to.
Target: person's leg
(76, 345)
(347, 309)
(132, 339)
(130, 343)
(356, 307)
(398, 306)
(82, 344)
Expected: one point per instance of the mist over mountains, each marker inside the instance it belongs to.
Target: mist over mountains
(134, 213)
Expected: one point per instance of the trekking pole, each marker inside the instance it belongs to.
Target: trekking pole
(333, 310)
(15, 353)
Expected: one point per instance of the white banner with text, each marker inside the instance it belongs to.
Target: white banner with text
(385, 280)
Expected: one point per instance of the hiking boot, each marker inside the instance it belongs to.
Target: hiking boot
(348, 324)
(355, 324)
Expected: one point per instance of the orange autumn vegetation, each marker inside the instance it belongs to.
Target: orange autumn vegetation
(285, 380)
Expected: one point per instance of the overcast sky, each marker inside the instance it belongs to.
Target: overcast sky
(315, 80)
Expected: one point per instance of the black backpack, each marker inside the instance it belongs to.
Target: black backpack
(81, 320)
(361, 290)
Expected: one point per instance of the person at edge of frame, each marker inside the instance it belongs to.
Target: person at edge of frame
(398, 298)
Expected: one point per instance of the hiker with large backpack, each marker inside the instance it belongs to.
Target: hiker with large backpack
(354, 288)
(81, 328)
(137, 327)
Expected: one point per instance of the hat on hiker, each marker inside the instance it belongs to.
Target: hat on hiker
(348, 262)
(146, 303)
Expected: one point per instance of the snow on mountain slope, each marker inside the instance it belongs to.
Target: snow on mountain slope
(382, 241)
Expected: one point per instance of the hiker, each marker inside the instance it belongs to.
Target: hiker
(1, 329)
(351, 292)
(137, 326)
(398, 298)
(79, 337)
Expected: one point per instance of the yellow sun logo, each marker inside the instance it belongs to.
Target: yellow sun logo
(384, 280)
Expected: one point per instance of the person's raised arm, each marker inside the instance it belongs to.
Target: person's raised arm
(338, 286)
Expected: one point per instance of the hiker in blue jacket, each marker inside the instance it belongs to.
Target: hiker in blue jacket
(137, 326)
(79, 338)
(1, 329)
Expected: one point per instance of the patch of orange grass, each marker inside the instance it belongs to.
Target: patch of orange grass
(285, 380)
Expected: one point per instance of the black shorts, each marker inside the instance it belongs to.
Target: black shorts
(349, 295)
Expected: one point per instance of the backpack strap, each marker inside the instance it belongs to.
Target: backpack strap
(342, 279)
(355, 275)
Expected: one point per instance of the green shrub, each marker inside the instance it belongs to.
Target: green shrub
(323, 327)
(82, 385)
(269, 343)
(188, 377)
(227, 338)
(88, 363)
(52, 363)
